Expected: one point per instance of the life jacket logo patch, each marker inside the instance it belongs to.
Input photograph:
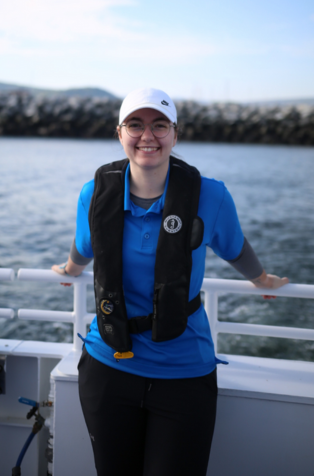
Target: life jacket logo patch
(172, 224)
(106, 306)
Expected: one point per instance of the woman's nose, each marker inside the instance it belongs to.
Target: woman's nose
(147, 133)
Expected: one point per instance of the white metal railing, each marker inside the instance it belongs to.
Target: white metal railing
(211, 287)
(214, 287)
(79, 317)
(6, 274)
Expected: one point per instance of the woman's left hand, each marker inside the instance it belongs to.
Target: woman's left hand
(270, 281)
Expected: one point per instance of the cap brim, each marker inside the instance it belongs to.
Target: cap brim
(165, 111)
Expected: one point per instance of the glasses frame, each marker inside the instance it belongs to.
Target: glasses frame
(151, 128)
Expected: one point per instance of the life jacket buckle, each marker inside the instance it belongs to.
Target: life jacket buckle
(123, 355)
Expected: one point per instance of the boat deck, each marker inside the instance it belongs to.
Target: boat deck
(265, 417)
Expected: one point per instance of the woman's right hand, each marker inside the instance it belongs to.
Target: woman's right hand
(60, 269)
(72, 269)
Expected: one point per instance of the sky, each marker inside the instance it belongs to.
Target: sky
(209, 50)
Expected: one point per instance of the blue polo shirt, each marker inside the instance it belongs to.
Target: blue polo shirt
(191, 354)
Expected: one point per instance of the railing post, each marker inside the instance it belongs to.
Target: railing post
(6, 274)
(79, 311)
(211, 308)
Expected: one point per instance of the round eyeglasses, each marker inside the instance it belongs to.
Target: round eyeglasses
(160, 129)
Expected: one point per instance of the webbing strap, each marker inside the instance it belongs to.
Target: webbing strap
(144, 323)
(140, 324)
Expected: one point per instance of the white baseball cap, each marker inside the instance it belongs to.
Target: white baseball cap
(148, 98)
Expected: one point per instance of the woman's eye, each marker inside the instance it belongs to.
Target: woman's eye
(134, 125)
(161, 125)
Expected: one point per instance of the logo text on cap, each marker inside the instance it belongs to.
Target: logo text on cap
(164, 103)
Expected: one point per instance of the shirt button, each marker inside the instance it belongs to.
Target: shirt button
(146, 236)
(147, 219)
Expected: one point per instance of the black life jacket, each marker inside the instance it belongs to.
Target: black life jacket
(181, 232)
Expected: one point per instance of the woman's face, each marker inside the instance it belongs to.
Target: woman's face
(147, 151)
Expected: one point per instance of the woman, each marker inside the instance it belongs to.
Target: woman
(147, 375)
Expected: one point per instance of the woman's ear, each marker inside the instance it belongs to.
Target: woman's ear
(119, 134)
(175, 138)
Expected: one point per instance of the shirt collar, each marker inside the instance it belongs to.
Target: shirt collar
(156, 207)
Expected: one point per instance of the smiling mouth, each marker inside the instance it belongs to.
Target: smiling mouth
(148, 149)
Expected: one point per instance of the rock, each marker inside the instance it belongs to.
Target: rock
(22, 114)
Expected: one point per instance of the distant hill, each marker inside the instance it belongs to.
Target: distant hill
(263, 103)
(102, 93)
(78, 92)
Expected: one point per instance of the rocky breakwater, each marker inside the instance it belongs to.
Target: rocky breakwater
(22, 114)
(233, 123)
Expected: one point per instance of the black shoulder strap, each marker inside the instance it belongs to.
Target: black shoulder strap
(106, 219)
(174, 254)
(106, 223)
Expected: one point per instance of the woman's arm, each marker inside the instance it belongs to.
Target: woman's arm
(77, 262)
(248, 264)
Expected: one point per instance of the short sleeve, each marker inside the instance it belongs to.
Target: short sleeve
(227, 236)
(82, 236)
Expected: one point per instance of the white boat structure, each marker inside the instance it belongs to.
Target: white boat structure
(265, 418)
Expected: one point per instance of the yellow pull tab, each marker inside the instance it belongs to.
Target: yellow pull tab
(123, 355)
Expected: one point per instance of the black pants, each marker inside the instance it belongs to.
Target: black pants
(147, 427)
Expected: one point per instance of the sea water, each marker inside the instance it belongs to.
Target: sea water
(272, 186)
